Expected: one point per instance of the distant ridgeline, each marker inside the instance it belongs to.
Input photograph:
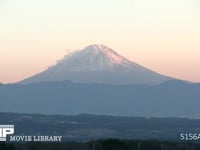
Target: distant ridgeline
(170, 99)
(92, 127)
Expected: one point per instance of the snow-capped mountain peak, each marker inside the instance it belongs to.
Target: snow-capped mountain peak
(93, 58)
(114, 57)
(98, 64)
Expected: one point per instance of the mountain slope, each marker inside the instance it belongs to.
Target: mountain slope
(98, 64)
(176, 99)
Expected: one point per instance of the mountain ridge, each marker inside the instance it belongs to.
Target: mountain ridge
(163, 100)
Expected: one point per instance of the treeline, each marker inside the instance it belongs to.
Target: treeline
(109, 144)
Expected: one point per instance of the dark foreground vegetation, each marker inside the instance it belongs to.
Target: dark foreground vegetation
(109, 144)
(92, 127)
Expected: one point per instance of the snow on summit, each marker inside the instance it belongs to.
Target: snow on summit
(98, 64)
(105, 51)
(93, 58)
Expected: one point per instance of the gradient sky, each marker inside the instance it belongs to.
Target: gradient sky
(163, 35)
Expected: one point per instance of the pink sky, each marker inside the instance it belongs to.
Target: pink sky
(158, 34)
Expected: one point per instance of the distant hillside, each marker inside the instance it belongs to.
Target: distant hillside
(170, 99)
(91, 127)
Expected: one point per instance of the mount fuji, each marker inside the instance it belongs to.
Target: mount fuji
(98, 64)
(97, 80)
